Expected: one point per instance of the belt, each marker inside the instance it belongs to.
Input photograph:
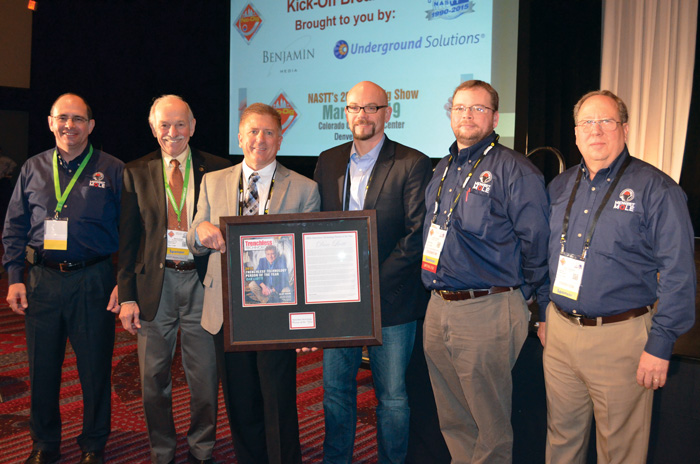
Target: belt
(456, 295)
(589, 322)
(67, 266)
(181, 265)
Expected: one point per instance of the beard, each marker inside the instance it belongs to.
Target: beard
(468, 136)
(356, 132)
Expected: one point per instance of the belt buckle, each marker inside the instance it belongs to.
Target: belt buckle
(578, 318)
(64, 267)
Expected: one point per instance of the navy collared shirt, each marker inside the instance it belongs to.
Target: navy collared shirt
(644, 229)
(92, 209)
(498, 231)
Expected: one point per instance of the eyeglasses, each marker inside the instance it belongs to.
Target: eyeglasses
(608, 125)
(62, 118)
(369, 109)
(479, 109)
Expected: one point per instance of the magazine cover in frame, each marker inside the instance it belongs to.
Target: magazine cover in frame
(267, 270)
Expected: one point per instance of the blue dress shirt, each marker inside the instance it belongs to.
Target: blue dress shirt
(498, 231)
(644, 231)
(92, 209)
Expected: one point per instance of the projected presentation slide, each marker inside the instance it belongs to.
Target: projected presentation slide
(303, 56)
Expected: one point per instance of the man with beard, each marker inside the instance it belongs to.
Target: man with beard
(485, 254)
(373, 172)
(160, 286)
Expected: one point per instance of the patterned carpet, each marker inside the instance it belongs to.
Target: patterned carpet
(128, 442)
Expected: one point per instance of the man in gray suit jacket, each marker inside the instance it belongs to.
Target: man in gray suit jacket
(159, 281)
(259, 387)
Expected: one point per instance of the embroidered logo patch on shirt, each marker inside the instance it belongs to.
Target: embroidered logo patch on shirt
(626, 195)
(483, 185)
(98, 180)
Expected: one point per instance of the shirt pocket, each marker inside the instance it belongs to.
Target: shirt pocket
(618, 231)
(474, 213)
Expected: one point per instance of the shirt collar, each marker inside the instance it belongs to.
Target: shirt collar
(264, 173)
(181, 158)
(75, 162)
(470, 152)
(370, 156)
(611, 171)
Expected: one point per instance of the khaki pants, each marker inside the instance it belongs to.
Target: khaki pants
(592, 371)
(470, 348)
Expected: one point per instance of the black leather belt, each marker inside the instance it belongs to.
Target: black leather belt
(68, 266)
(593, 321)
(181, 265)
(456, 295)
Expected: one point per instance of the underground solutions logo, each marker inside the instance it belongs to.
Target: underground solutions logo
(248, 22)
(341, 49)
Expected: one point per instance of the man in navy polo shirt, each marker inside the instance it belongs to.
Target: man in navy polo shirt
(485, 254)
(623, 290)
(63, 218)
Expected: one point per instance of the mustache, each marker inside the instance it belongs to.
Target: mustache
(177, 138)
(362, 121)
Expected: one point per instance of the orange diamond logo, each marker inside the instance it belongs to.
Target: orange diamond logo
(286, 110)
(248, 22)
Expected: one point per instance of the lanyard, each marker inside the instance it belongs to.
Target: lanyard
(567, 214)
(183, 196)
(464, 184)
(348, 183)
(61, 198)
(241, 199)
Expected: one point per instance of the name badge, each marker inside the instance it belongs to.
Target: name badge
(56, 234)
(177, 245)
(569, 274)
(433, 248)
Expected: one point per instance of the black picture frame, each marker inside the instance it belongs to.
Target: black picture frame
(295, 317)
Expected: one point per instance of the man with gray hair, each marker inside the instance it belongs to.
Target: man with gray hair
(160, 282)
(620, 297)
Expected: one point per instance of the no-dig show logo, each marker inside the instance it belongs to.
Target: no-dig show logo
(248, 22)
(287, 111)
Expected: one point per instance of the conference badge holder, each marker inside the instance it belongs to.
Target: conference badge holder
(55, 233)
(433, 247)
(177, 245)
(569, 275)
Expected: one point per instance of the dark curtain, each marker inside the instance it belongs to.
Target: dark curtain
(119, 56)
(691, 158)
(559, 61)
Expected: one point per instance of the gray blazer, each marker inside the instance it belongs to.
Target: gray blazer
(218, 196)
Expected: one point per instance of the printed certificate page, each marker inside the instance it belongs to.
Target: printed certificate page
(331, 270)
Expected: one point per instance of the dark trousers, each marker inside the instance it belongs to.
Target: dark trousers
(260, 394)
(72, 306)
